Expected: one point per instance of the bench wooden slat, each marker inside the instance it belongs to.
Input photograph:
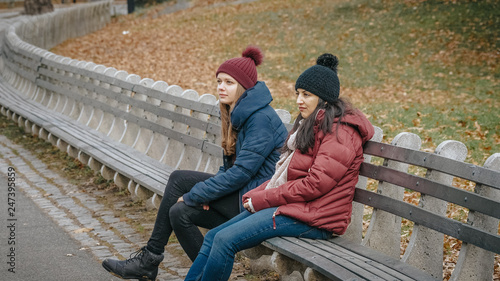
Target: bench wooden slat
(162, 112)
(91, 141)
(123, 84)
(389, 268)
(81, 71)
(128, 156)
(308, 257)
(116, 158)
(9, 100)
(361, 261)
(435, 162)
(459, 230)
(373, 255)
(362, 266)
(461, 197)
(212, 149)
(86, 140)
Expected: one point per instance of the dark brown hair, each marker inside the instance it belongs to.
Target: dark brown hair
(305, 132)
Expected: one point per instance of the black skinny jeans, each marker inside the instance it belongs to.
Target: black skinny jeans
(183, 219)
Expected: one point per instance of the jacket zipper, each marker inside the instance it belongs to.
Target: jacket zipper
(274, 218)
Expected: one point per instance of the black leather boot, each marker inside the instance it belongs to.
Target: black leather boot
(142, 265)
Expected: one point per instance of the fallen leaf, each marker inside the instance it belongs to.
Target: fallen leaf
(82, 230)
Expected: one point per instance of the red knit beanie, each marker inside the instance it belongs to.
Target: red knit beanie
(243, 69)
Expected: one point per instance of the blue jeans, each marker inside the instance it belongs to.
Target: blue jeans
(216, 257)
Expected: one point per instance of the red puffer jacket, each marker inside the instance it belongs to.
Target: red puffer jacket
(320, 186)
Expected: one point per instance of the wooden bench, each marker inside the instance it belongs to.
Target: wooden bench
(136, 131)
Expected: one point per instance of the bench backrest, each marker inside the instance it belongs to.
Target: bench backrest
(174, 126)
(153, 117)
(433, 183)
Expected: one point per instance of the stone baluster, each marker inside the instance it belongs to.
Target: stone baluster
(125, 133)
(143, 138)
(150, 136)
(355, 230)
(384, 232)
(159, 142)
(425, 248)
(186, 160)
(171, 148)
(206, 161)
(108, 118)
(475, 263)
(97, 113)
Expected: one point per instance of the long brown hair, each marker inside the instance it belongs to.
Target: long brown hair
(228, 134)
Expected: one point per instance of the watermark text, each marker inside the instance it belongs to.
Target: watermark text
(11, 219)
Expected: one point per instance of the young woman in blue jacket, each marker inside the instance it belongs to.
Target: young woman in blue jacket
(252, 135)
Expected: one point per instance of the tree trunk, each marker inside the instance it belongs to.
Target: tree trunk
(36, 7)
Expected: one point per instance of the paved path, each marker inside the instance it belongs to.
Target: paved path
(34, 248)
(61, 233)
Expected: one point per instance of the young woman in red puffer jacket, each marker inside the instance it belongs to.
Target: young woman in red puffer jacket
(310, 194)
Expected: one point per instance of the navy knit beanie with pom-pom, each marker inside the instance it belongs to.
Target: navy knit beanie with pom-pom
(243, 69)
(321, 79)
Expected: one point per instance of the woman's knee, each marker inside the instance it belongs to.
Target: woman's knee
(224, 242)
(209, 236)
(178, 213)
(226, 236)
(176, 174)
(210, 240)
(175, 185)
(173, 178)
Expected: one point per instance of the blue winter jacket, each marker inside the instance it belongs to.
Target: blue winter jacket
(261, 134)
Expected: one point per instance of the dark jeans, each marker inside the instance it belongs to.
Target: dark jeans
(184, 220)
